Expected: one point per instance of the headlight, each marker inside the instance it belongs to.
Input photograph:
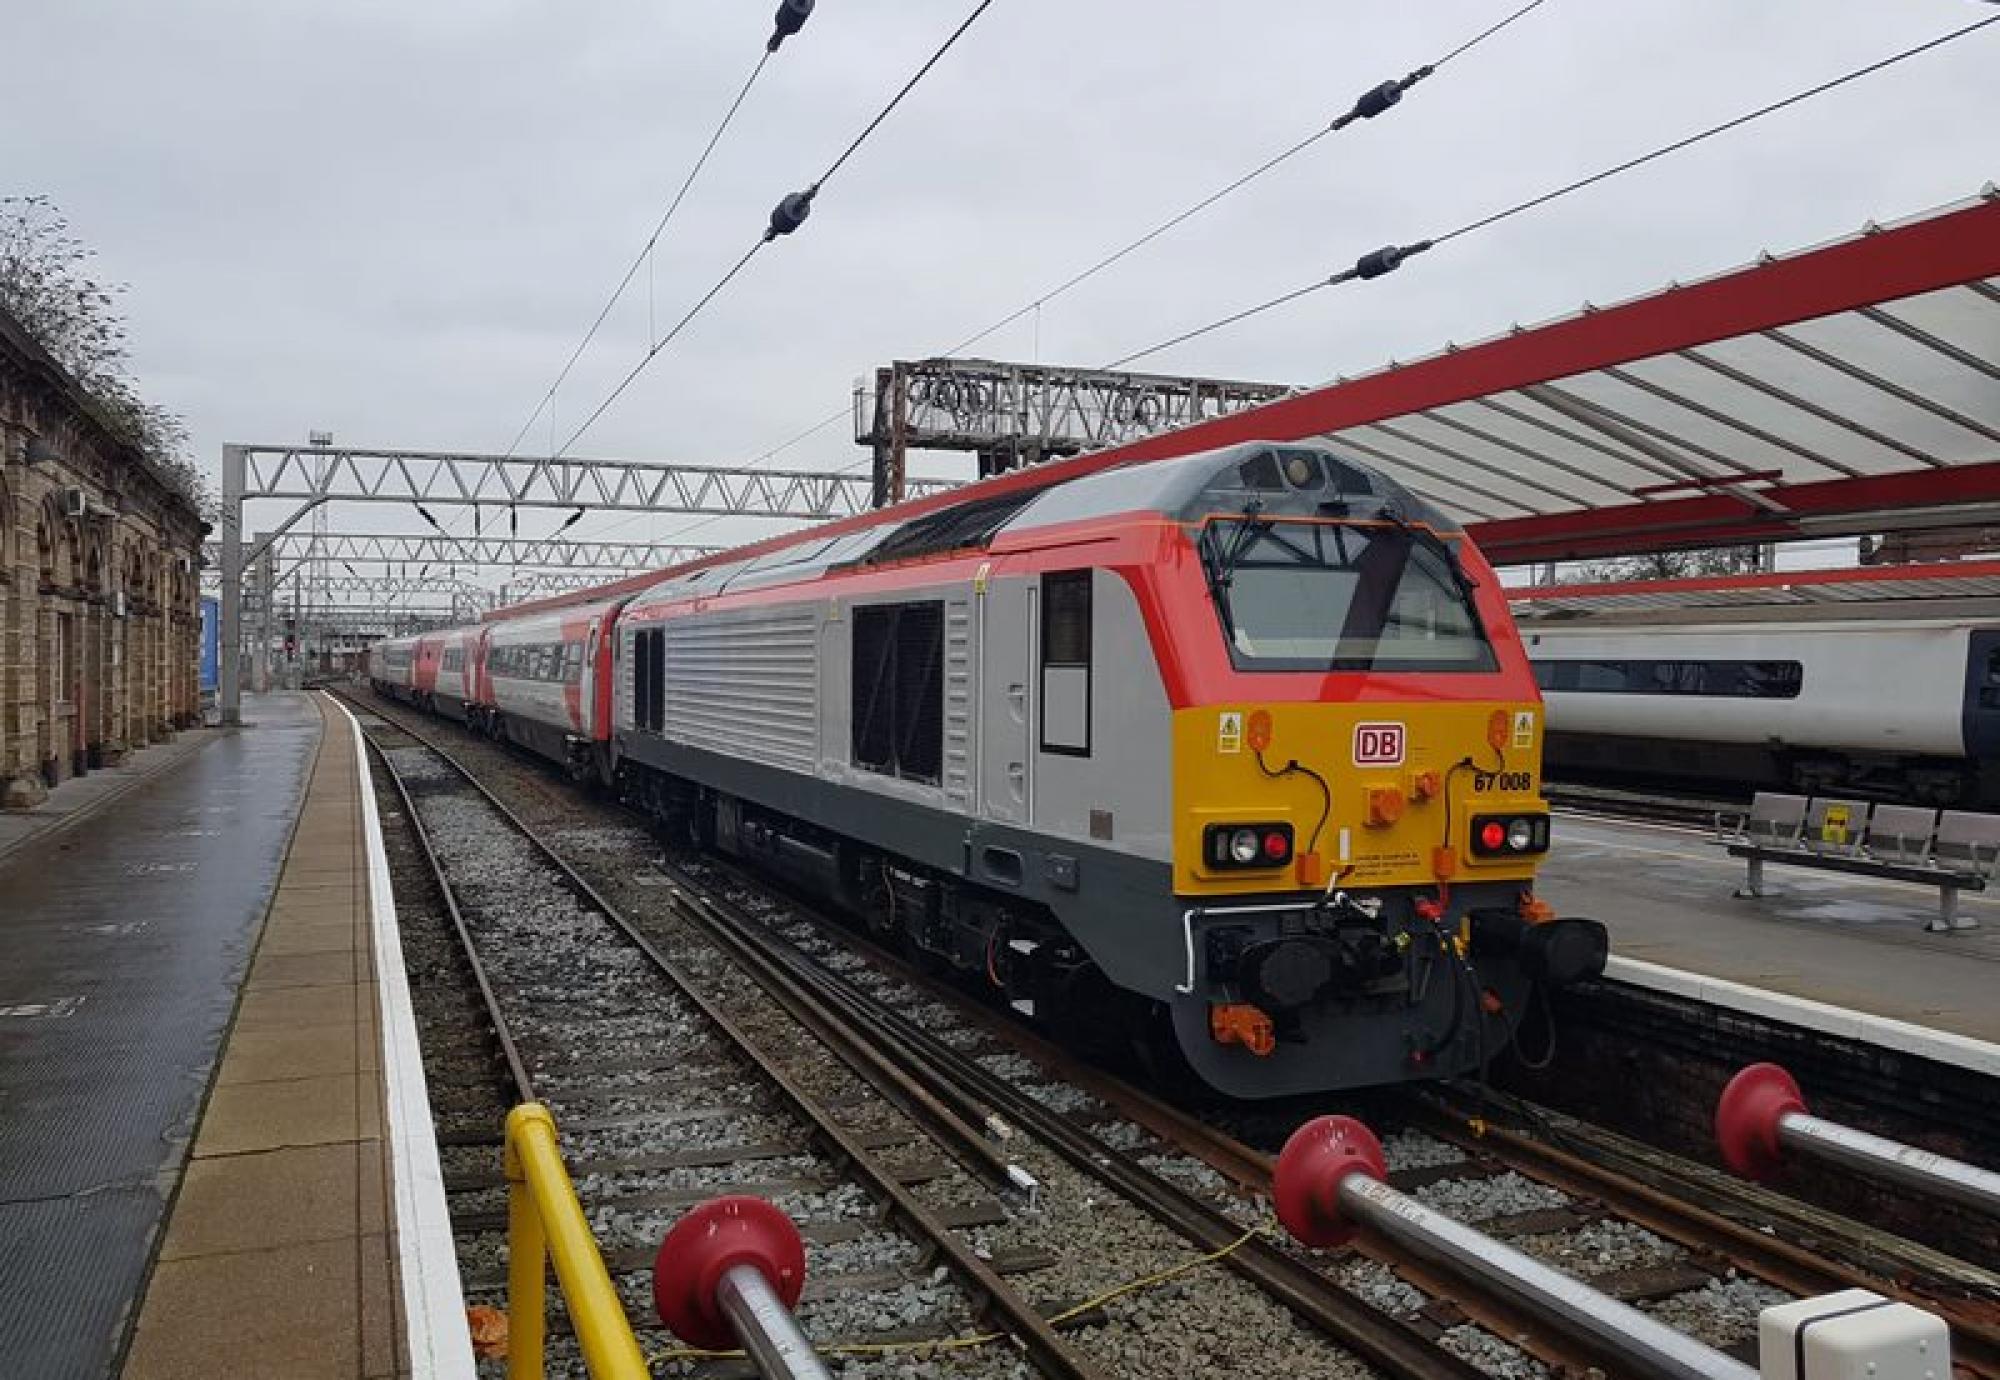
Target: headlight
(1520, 834)
(1229, 846)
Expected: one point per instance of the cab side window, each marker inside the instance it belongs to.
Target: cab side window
(1066, 641)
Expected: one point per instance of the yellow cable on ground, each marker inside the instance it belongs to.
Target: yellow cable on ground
(978, 1338)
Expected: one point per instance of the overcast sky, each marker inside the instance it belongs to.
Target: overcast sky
(393, 219)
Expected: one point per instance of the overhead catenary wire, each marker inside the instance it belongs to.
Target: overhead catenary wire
(645, 252)
(1385, 260)
(789, 20)
(868, 131)
(789, 214)
(1381, 261)
(659, 345)
(1367, 107)
(1371, 103)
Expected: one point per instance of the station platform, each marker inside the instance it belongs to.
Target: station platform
(198, 1173)
(1849, 943)
(80, 797)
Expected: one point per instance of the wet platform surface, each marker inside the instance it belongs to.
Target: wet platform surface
(1848, 941)
(77, 799)
(279, 1257)
(126, 939)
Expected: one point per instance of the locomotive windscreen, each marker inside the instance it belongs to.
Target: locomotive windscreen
(1317, 596)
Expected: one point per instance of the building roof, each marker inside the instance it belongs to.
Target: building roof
(1917, 590)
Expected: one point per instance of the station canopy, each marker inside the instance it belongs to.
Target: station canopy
(1845, 389)
(1942, 588)
(1849, 388)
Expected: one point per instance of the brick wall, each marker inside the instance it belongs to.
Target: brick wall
(99, 616)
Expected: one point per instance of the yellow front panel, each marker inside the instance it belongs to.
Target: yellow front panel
(1368, 754)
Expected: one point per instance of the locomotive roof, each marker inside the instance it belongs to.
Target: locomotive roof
(1274, 479)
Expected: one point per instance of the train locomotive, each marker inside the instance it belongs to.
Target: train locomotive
(1238, 752)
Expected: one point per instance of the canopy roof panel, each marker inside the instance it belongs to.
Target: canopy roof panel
(1853, 387)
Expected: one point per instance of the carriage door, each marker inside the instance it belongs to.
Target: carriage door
(1006, 614)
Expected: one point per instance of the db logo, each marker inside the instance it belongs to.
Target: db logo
(1378, 745)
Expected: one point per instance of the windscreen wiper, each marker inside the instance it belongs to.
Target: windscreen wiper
(1393, 515)
(1219, 562)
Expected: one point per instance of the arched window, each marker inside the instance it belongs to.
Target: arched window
(45, 548)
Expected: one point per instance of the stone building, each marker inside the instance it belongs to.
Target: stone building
(99, 615)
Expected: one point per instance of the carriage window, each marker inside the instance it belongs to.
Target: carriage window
(642, 679)
(454, 659)
(1066, 662)
(1713, 679)
(657, 658)
(898, 696)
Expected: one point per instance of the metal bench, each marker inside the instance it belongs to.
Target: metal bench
(1900, 843)
(1775, 821)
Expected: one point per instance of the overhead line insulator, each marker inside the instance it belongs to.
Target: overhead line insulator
(789, 214)
(1377, 99)
(1387, 259)
(791, 17)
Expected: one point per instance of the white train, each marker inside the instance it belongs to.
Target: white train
(1894, 706)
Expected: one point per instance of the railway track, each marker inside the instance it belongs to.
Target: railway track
(1691, 1265)
(1692, 1245)
(667, 1098)
(1658, 807)
(561, 973)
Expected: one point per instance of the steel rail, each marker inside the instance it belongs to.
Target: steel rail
(1779, 1261)
(1606, 802)
(524, 1083)
(1238, 1162)
(1863, 1254)
(1798, 1268)
(1013, 1313)
(1252, 1169)
(1376, 1337)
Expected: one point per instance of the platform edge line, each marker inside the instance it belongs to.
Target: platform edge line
(439, 1343)
(1943, 1046)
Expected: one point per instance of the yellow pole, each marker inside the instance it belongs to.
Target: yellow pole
(610, 1351)
(527, 1269)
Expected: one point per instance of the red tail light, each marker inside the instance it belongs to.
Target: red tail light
(1512, 836)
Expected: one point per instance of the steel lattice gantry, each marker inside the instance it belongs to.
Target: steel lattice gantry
(316, 475)
(1012, 414)
(320, 474)
(435, 548)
